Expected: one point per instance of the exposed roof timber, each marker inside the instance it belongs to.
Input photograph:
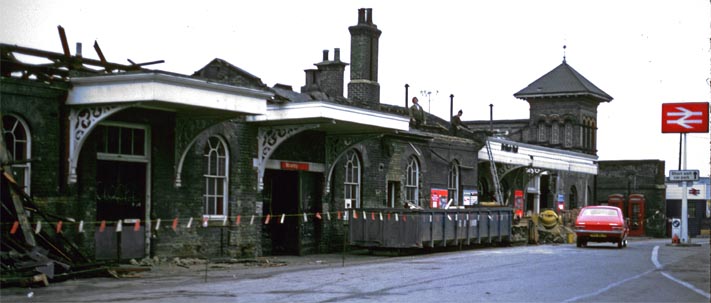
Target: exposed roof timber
(62, 60)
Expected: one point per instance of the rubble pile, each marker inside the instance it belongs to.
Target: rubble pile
(30, 256)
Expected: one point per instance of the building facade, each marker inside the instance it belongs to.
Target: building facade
(698, 197)
(132, 162)
(638, 188)
(551, 157)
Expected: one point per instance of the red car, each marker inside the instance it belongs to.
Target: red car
(601, 224)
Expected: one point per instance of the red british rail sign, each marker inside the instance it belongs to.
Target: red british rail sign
(690, 117)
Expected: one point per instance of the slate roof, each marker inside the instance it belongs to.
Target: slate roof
(221, 71)
(562, 81)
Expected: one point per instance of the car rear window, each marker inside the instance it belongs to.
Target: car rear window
(599, 212)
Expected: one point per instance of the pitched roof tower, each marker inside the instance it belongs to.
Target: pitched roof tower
(563, 110)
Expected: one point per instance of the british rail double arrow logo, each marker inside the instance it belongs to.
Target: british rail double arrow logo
(685, 117)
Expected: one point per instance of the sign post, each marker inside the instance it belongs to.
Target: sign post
(685, 118)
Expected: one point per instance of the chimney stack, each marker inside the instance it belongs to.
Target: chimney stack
(328, 77)
(364, 87)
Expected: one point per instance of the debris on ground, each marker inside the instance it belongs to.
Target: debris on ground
(30, 256)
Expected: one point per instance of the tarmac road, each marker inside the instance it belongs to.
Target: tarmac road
(653, 272)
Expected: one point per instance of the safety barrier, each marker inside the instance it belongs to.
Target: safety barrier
(410, 228)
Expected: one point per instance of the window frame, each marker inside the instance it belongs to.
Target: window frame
(412, 181)
(352, 178)
(105, 155)
(453, 183)
(24, 164)
(223, 179)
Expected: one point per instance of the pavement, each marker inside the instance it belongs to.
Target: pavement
(190, 270)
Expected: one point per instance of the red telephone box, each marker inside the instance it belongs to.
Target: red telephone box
(636, 214)
(617, 200)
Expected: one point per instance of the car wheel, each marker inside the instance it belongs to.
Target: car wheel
(620, 243)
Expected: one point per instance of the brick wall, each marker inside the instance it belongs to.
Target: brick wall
(636, 177)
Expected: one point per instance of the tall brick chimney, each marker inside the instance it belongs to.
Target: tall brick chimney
(363, 87)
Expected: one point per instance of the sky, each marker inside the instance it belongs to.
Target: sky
(642, 53)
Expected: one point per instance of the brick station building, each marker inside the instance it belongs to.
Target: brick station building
(219, 164)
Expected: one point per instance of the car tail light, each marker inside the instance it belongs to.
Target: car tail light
(580, 225)
(616, 226)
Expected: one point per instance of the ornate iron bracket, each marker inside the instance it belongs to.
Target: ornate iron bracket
(504, 169)
(183, 148)
(336, 147)
(81, 122)
(269, 139)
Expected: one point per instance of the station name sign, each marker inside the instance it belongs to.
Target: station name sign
(509, 148)
(684, 175)
(294, 165)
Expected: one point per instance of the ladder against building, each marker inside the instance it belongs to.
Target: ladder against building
(494, 174)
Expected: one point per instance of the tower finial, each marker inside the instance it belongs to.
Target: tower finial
(564, 53)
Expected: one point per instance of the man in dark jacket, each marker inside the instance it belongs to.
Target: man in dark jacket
(417, 114)
(457, 123)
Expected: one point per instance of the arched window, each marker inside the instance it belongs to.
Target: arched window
(589, 133)
(351, 182)
(555, 133)
(568, 134)
(215, 176)
(412, 182)
(17, 139)
(542, 131)
(453, 183)
(593, 136)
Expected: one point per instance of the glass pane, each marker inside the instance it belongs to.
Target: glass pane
(210, 205)
(112, 139)
(139, 137)
(20, 151)
(221, 171)
(126, 141)
(101, 139)
(347, 191)
(210, 186)
(19, 131)
(220, 206)
(220, 185)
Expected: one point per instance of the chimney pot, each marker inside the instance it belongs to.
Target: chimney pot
(78, 53)
(325, 55)
(337, 54)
